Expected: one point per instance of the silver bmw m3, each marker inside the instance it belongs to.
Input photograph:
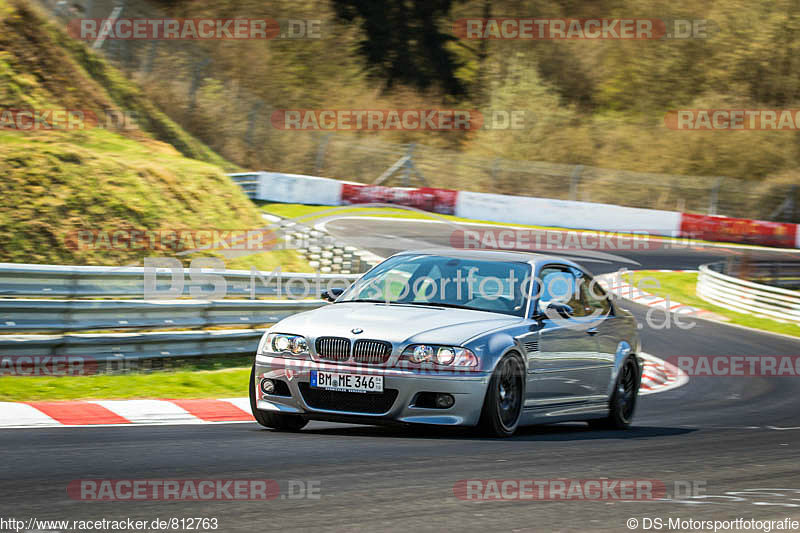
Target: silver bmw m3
(491, 339)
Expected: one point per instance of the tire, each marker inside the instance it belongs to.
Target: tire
(622, 405)
(273, 420)
(502, 405)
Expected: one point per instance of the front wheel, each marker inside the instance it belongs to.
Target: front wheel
(272, 420)
(623, 400)
(503, 403)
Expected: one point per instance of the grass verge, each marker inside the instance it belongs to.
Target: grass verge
(682, 286)
(224, 383)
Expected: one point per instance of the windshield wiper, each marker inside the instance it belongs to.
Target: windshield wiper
(394, 302)
(435, 304)
(367, 300)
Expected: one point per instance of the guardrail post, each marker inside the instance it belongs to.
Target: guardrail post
(574, 180)
(103, 34)
(494, 171)
(789, 205)
(408, 166)
(320, 159)
(197, 76)
(151, 57)
(251, 121)
(713, 202)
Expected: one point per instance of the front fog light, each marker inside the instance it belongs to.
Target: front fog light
(445, 401)
(267, 386)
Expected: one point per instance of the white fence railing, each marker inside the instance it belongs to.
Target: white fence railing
(745, 296)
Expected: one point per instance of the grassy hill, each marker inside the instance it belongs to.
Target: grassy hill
(148, 175)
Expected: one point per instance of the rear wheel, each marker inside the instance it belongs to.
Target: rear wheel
(273, 420)
(623, 401)
(503, 403)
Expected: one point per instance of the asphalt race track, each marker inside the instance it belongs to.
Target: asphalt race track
(735, 439)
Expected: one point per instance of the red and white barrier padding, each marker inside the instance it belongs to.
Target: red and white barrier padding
(295, 188)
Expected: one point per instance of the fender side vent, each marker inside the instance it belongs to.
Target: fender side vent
(532, 346)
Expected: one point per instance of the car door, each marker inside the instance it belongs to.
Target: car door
(562, 368)
(606, 332)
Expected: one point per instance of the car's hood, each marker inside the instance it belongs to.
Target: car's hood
(394, 323)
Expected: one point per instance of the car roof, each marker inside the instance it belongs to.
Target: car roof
(492, 255)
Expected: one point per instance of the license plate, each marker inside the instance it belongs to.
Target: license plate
(346, 382)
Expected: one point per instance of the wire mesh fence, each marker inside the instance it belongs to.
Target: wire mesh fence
(365, 160)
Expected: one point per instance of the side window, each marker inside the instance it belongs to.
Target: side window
(595, 296)
(559, 284)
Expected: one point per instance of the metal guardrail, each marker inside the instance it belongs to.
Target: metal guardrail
(141, 349)
(746, 296)
(23, 280)
(248, 181)
(777, 274)
(125, 348)
(81, 315)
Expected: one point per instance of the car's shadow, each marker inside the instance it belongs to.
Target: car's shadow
(553, 432)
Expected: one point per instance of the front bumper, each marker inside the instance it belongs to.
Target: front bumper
(468, 389)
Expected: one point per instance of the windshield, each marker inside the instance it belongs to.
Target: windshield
(431, 280)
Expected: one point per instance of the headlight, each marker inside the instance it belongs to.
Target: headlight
(452, 356)
(421, 354)
(445, 356)
(287, 345)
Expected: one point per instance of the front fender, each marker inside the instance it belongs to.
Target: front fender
(492, 347)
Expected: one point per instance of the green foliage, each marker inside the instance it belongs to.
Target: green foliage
(595, 102)
(598, 103)
(403, 42)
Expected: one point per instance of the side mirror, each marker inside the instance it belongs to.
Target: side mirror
(331, 294)
(562, 309)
